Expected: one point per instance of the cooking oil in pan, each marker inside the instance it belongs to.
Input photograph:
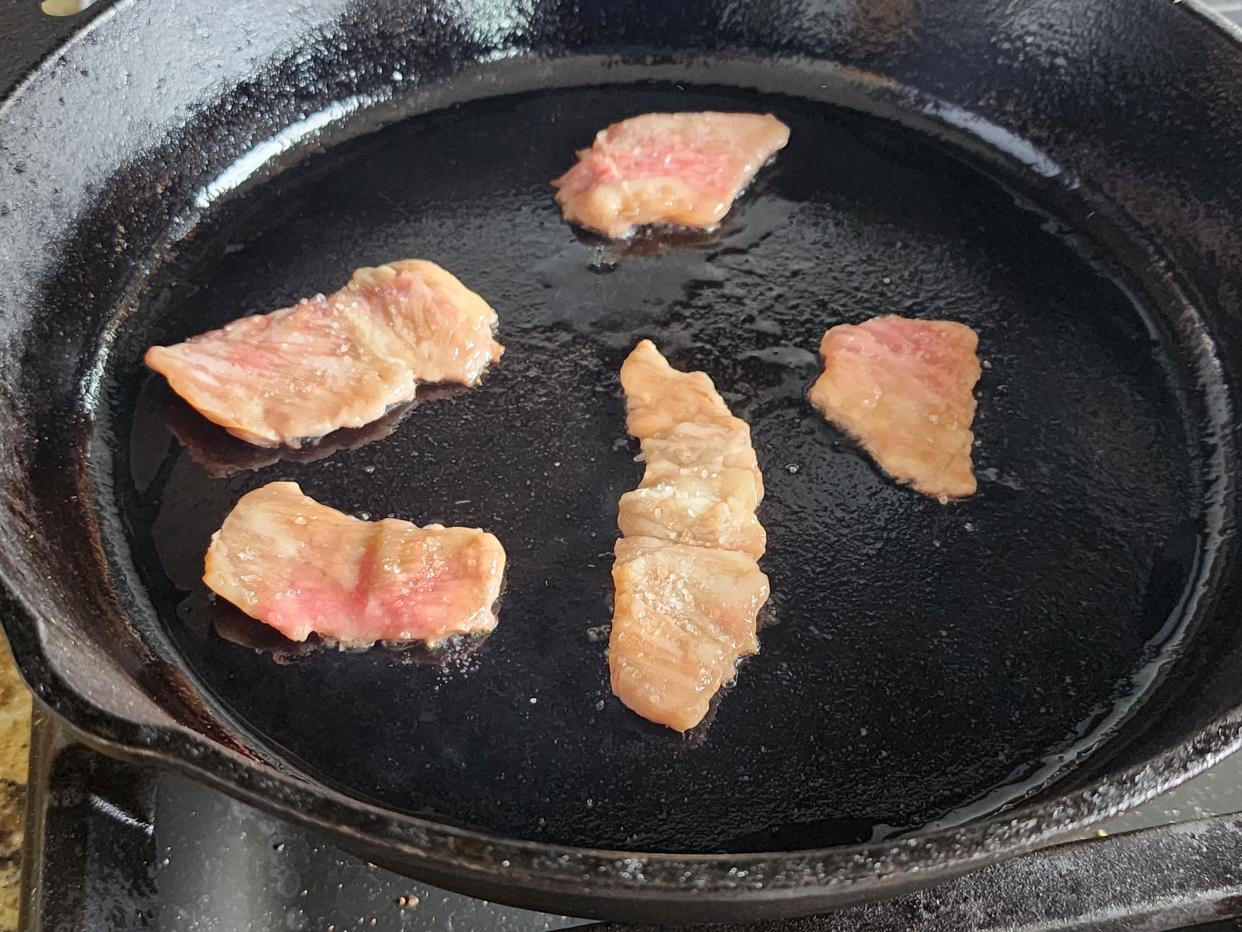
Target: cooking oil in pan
(922, 663)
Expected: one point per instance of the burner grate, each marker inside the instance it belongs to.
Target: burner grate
(114, 846)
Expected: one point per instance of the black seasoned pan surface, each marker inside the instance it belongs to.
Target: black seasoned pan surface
(920, 663)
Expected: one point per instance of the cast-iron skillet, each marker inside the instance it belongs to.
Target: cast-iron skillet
(938, 686)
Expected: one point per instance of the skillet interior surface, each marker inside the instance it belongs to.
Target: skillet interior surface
(920, 663)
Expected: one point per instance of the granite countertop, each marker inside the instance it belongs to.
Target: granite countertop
(15, 708)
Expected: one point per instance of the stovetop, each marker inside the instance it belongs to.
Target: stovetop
(115, 845)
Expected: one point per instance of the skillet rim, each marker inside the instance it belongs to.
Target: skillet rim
(838, 875)
(835, 873)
